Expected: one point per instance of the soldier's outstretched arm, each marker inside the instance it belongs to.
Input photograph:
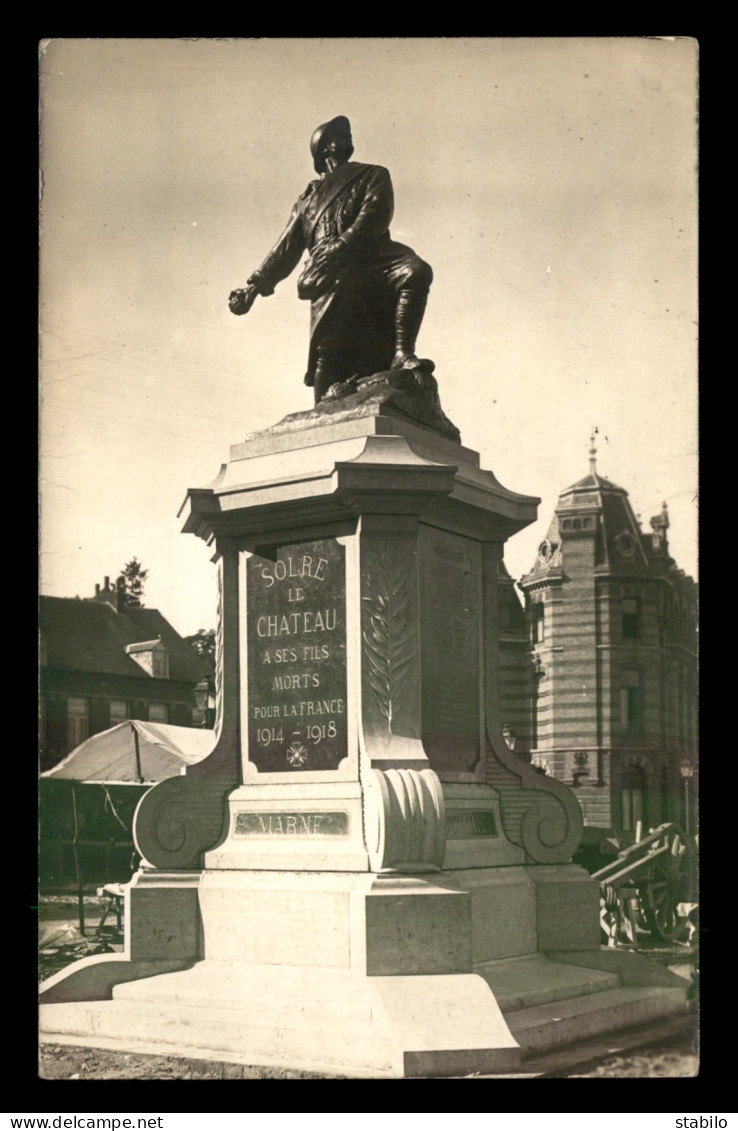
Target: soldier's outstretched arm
(281, 260)
(240, 301)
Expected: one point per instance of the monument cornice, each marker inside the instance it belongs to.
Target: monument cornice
(406, 471)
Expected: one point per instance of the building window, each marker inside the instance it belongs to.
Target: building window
(682, 693)
(629, 608)
(118, 711)
(538, 624)
(534, 711)
(632, 808)
(78, 722)
(631, 715)
(632, 796)
(158, 713)
(664, 795)
(160, 664)
(691, 737)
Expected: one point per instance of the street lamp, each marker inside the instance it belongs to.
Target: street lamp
(205, 702)
(509, 736)
(687, 769)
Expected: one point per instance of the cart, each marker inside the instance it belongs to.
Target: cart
(641, 890)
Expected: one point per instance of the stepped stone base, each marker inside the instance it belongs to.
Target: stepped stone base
(337, 1022)
(347, 1024)
(359, 975)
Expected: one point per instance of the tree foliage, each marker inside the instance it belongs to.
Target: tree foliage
(134, 579)
(203, 642)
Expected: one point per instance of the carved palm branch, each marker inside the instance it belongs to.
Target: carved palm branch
(388, 636)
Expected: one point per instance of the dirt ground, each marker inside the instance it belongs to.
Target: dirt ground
(66, 1062)
(673, 1058)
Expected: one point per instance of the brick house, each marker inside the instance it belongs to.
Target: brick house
(102, 662)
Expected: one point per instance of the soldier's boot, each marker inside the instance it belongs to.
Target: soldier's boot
(323, 379)
(333, 366)
(408, 319)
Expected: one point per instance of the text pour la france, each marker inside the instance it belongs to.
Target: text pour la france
(302, 709)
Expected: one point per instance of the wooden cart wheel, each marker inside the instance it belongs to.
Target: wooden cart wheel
(665, 885)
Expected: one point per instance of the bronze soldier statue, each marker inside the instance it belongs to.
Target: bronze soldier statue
(367, 292)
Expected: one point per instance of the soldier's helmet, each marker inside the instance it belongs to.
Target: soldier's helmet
(323, 134)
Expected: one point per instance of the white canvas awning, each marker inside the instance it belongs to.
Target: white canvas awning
(134, 752)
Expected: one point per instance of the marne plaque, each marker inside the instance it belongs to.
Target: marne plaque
(296, 658)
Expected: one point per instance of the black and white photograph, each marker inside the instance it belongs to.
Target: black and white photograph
(368, 572)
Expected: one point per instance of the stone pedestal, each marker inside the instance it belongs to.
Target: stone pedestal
(344, 874)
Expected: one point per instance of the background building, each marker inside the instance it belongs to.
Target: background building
(612, 661)
(515, 671)
(103, 662)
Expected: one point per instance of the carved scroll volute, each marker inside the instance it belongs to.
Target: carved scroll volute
(390, 646)
(551, 830)
(224, 759)
(539, 814)
(181, 818)
(404, 821)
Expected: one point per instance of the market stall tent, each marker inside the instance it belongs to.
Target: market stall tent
(134, 751)
(87, 801)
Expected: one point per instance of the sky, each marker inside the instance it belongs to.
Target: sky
(550, 182)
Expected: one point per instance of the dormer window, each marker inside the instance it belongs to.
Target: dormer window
(152, 656)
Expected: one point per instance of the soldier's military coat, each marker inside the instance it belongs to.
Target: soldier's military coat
(354, 205)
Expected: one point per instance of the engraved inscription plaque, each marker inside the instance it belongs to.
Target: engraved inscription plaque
(451, 573)
(296, 657)
(464, 826)
(326, 823)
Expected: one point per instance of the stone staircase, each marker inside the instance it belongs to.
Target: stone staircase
(553, 1001)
